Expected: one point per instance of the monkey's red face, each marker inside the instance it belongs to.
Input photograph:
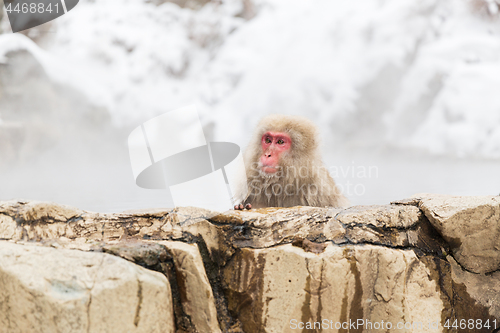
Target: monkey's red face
(273, 145)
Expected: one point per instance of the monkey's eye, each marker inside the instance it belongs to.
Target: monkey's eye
(280, 141)
(268, 140)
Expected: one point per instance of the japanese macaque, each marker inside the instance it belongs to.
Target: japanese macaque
(284, 167)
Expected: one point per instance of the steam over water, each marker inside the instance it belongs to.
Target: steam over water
(405, 93)
(94, 183)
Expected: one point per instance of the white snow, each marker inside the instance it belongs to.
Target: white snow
(416, 75)
(398, 73)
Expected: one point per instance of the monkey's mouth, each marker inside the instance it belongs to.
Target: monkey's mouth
(268, 169)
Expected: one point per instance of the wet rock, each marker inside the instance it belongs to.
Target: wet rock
(274, 289)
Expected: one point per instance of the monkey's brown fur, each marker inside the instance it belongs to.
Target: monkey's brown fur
(301, 168)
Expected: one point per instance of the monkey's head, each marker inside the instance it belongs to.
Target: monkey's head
(282, 141)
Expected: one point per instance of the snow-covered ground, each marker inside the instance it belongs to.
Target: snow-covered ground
(416, 76)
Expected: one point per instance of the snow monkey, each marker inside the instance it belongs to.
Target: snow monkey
(284, 167)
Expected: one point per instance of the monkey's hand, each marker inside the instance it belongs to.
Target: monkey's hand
(241, 207)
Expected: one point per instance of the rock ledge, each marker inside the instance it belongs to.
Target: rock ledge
(427, 259)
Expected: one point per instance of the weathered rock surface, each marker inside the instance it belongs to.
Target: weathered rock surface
(470, 225)
(48, 290)
(286, 285)
(424, 262)
(195, 290)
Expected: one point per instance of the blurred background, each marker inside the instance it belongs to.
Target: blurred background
(406, 93)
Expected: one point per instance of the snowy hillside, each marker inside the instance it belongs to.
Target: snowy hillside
(412, 74)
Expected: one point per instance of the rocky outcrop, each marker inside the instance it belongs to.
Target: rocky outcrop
(48, 290)
(273, 289)
(429, 263)
(196, 294)
(470, 226)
